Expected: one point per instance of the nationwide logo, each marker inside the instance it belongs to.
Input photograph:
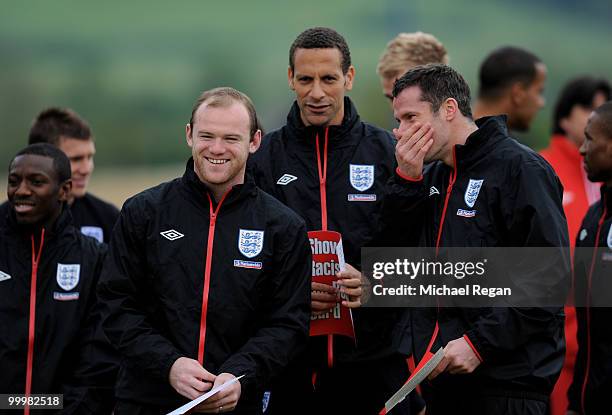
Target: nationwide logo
(360, 197)
(433, 191)
(472, 191)
(65, 296)
(466, 213)
(4, 276)
(247, 264)
(171, 234)
(286, 179)
(68, 275)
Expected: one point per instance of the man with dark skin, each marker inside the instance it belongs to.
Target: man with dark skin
(48, 275)
(590, 390)
(331, 167)
(511, 82)
(576, 101)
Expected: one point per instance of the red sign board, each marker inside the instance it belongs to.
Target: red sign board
(327, 261)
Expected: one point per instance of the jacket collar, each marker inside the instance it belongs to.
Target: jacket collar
(194, 185)
(339, 135)
(63, 221)
(491, 131)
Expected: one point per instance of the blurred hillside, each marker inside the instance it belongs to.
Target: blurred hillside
(133, 69)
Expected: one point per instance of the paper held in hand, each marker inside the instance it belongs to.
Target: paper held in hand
(190, 405)
(427, 364)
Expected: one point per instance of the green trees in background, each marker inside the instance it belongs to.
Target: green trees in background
(134, 68)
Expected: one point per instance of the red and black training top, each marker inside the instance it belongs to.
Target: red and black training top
(334, 178)
(518, 205)
(227, 284)
(590, 389)
(51, 339)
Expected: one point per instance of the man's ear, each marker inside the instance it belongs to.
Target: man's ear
(255, 142)
(290, 78)
(188, 135)
(518, 91)
(349, 76)
(65, 190)
(450, 106)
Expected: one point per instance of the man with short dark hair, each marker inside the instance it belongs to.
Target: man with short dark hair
(66, 130)
(48, 276)
(495, 359)
(592, 383)
(207, 277)
(511, 82)
(331, 167)
(578, 98)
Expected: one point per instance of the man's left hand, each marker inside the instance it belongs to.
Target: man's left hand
(459, 358)
(224, 401)
(350, 281)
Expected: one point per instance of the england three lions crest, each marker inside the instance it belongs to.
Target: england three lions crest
(250, 243)
(68, 275)
(471, 194)
(361, 176)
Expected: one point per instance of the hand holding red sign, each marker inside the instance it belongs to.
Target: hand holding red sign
(324, 298)
(350, 282)
(336, 286)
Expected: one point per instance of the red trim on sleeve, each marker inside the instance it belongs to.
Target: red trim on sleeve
(410, 179)
(469, 342)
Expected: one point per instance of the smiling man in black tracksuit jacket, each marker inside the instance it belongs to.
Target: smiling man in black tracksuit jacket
(48, 274)
(592, 383)
(208, 276)
(497, 360)
(331, 168)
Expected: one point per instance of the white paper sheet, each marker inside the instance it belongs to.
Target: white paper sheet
(417, 378)
(190, 405)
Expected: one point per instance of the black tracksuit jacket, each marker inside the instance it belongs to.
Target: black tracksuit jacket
(94, 217)
(154, 279)
(66, 334)
(519, 205)
(351, 211)
(592, 383)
